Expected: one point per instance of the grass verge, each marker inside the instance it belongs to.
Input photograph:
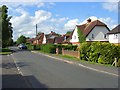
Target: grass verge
(71, 58)
(5, 51)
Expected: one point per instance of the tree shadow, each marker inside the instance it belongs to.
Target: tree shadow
(18, 81)
(9, 65)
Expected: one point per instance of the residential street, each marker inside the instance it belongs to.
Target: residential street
(44, 72)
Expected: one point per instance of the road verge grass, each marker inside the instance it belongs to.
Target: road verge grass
(71, 58)
(5, 51)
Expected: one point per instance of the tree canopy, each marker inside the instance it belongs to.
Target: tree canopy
(6, 27)
(68, 32)
(21, 39)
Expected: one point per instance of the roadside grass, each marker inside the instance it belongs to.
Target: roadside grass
(5, 51)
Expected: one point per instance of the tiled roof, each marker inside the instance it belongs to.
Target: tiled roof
(59, 40)
(115, 30)
(88, 27)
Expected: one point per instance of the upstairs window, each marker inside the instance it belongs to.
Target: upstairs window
(105, 36)
(92, 36)
(115, 36)
(74, 37)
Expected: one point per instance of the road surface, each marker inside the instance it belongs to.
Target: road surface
(44, 72)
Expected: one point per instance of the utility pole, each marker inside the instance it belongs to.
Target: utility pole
(36, 33)
(36, 30)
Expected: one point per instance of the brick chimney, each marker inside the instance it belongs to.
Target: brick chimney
(89, 20)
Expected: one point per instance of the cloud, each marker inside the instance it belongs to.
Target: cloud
(40, 16)
(91, 17)
(109, 22)
(111, 6)
(24, 23)
(71, 24)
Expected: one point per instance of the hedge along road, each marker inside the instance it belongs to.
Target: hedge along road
(41, 71)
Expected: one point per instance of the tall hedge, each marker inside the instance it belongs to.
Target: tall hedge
(100, 52)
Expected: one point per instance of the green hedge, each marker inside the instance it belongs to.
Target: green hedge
(30, 47)
(51, 48)
(99, 52)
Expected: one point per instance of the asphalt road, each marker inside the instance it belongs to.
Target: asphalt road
(44, 72)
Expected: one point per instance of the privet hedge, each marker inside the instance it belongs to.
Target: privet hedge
(99, 52)
(51, 48)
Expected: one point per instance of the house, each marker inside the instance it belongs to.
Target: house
(59, 40)
(92, 30)
(39, 39)
(114, 35)
(52, 38)
(30, 40)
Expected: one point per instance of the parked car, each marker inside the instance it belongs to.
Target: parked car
(22, 46)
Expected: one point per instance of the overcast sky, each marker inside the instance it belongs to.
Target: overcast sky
(58, 16)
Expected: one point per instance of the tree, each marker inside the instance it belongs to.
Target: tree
(6, 27)
(21, 39)
(81, 36)
(68, 32)
(0, 27)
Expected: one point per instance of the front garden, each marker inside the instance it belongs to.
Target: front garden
(97, 52)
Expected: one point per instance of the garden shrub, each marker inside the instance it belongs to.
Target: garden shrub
(30, 47)
(99, 52)
(37, 47)
(84, 51)
(49, 48)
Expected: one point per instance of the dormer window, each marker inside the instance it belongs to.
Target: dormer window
(92, 36)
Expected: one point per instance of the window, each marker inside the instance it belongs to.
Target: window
(115, 36)
(105, 36)
(92, 36)
(74, 37)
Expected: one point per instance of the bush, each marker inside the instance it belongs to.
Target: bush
(99, 52)
(30, 47)
(49, 48)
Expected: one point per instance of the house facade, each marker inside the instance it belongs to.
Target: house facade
(114, 35)
(38, 39)
(92, 30)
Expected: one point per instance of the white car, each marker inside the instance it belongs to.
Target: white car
(22, 46)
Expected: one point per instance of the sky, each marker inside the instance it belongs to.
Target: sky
(59, 17)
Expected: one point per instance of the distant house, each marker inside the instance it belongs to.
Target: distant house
(92, 30)
(59, 40)
(114, 35)
(39, 39)
(30, 40)
(52, 38)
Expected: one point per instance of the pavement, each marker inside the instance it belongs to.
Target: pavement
(96, 67)
(11, 78)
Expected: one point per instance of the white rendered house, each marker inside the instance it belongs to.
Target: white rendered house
(93, 31)
(114, 35)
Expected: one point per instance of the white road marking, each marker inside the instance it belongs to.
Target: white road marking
(20, 72)
(70, 62)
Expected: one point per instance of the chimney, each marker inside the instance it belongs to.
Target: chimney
(89, 20)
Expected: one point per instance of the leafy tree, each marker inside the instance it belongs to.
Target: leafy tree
(0, 27)
(21, 39)
(81, 36)
(6, 27)
(68, 32)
